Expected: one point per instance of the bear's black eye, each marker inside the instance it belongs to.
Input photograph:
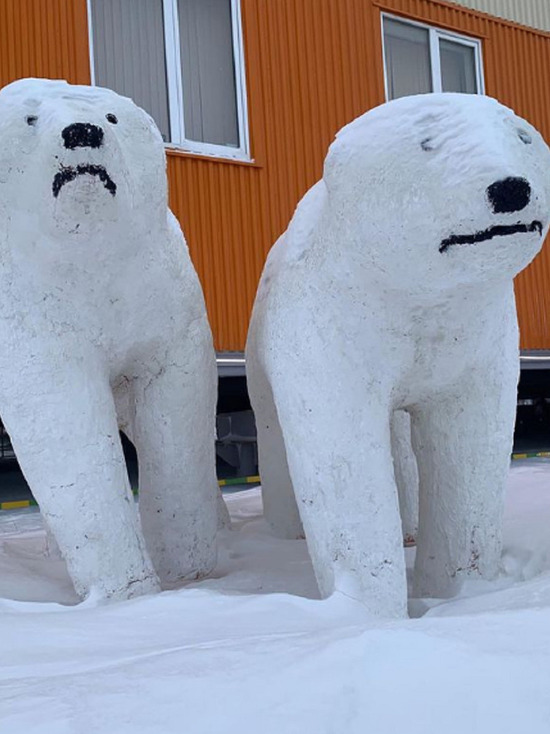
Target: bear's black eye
(525, 137)
(111, 118)
(31, 119)
(426, 144)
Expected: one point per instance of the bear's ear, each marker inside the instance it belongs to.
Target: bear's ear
(341, 158)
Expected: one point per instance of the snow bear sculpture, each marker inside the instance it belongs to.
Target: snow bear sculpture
(392, 290)
(103, 324)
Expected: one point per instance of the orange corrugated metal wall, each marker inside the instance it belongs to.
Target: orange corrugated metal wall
(312, 65)
(45, 38)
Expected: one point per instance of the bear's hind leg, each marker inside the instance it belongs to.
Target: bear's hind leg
(174, 432)
(406, 474)
(280, 509)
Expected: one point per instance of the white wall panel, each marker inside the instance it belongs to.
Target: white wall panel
(534, 13)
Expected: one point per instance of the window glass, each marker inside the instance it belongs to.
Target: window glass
(179, 60)
(407, 51)
(129, 54)
(209, 93)
(458, 67)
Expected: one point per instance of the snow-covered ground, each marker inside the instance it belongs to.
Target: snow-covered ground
(253, 650)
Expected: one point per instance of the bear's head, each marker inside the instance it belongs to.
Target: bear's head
(433, 191)
(74, 159)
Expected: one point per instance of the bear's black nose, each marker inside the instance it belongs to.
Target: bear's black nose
(82, 135)
(509, 195)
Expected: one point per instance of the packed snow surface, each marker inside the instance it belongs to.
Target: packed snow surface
(252, 649)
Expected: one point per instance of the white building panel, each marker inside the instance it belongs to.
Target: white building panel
(534, 13)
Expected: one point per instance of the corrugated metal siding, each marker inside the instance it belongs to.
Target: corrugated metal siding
(534, 13)
(312, 66)
(45, 39)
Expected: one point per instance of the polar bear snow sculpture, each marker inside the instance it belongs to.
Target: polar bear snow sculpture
(103, 318)
(392, 289)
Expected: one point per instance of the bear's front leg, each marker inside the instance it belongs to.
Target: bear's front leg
(175, 433)
(463, 445)
(339, 457)
(61, 418)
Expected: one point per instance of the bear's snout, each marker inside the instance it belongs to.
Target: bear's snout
(82, 135)
(509, 195)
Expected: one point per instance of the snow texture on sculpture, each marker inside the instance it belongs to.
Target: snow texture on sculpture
(392, 289)
(102, 325)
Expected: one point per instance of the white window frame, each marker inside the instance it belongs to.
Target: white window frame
(435, 35)
(174, 78)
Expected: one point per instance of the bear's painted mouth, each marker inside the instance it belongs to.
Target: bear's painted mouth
(69, 173)
(499, 230)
